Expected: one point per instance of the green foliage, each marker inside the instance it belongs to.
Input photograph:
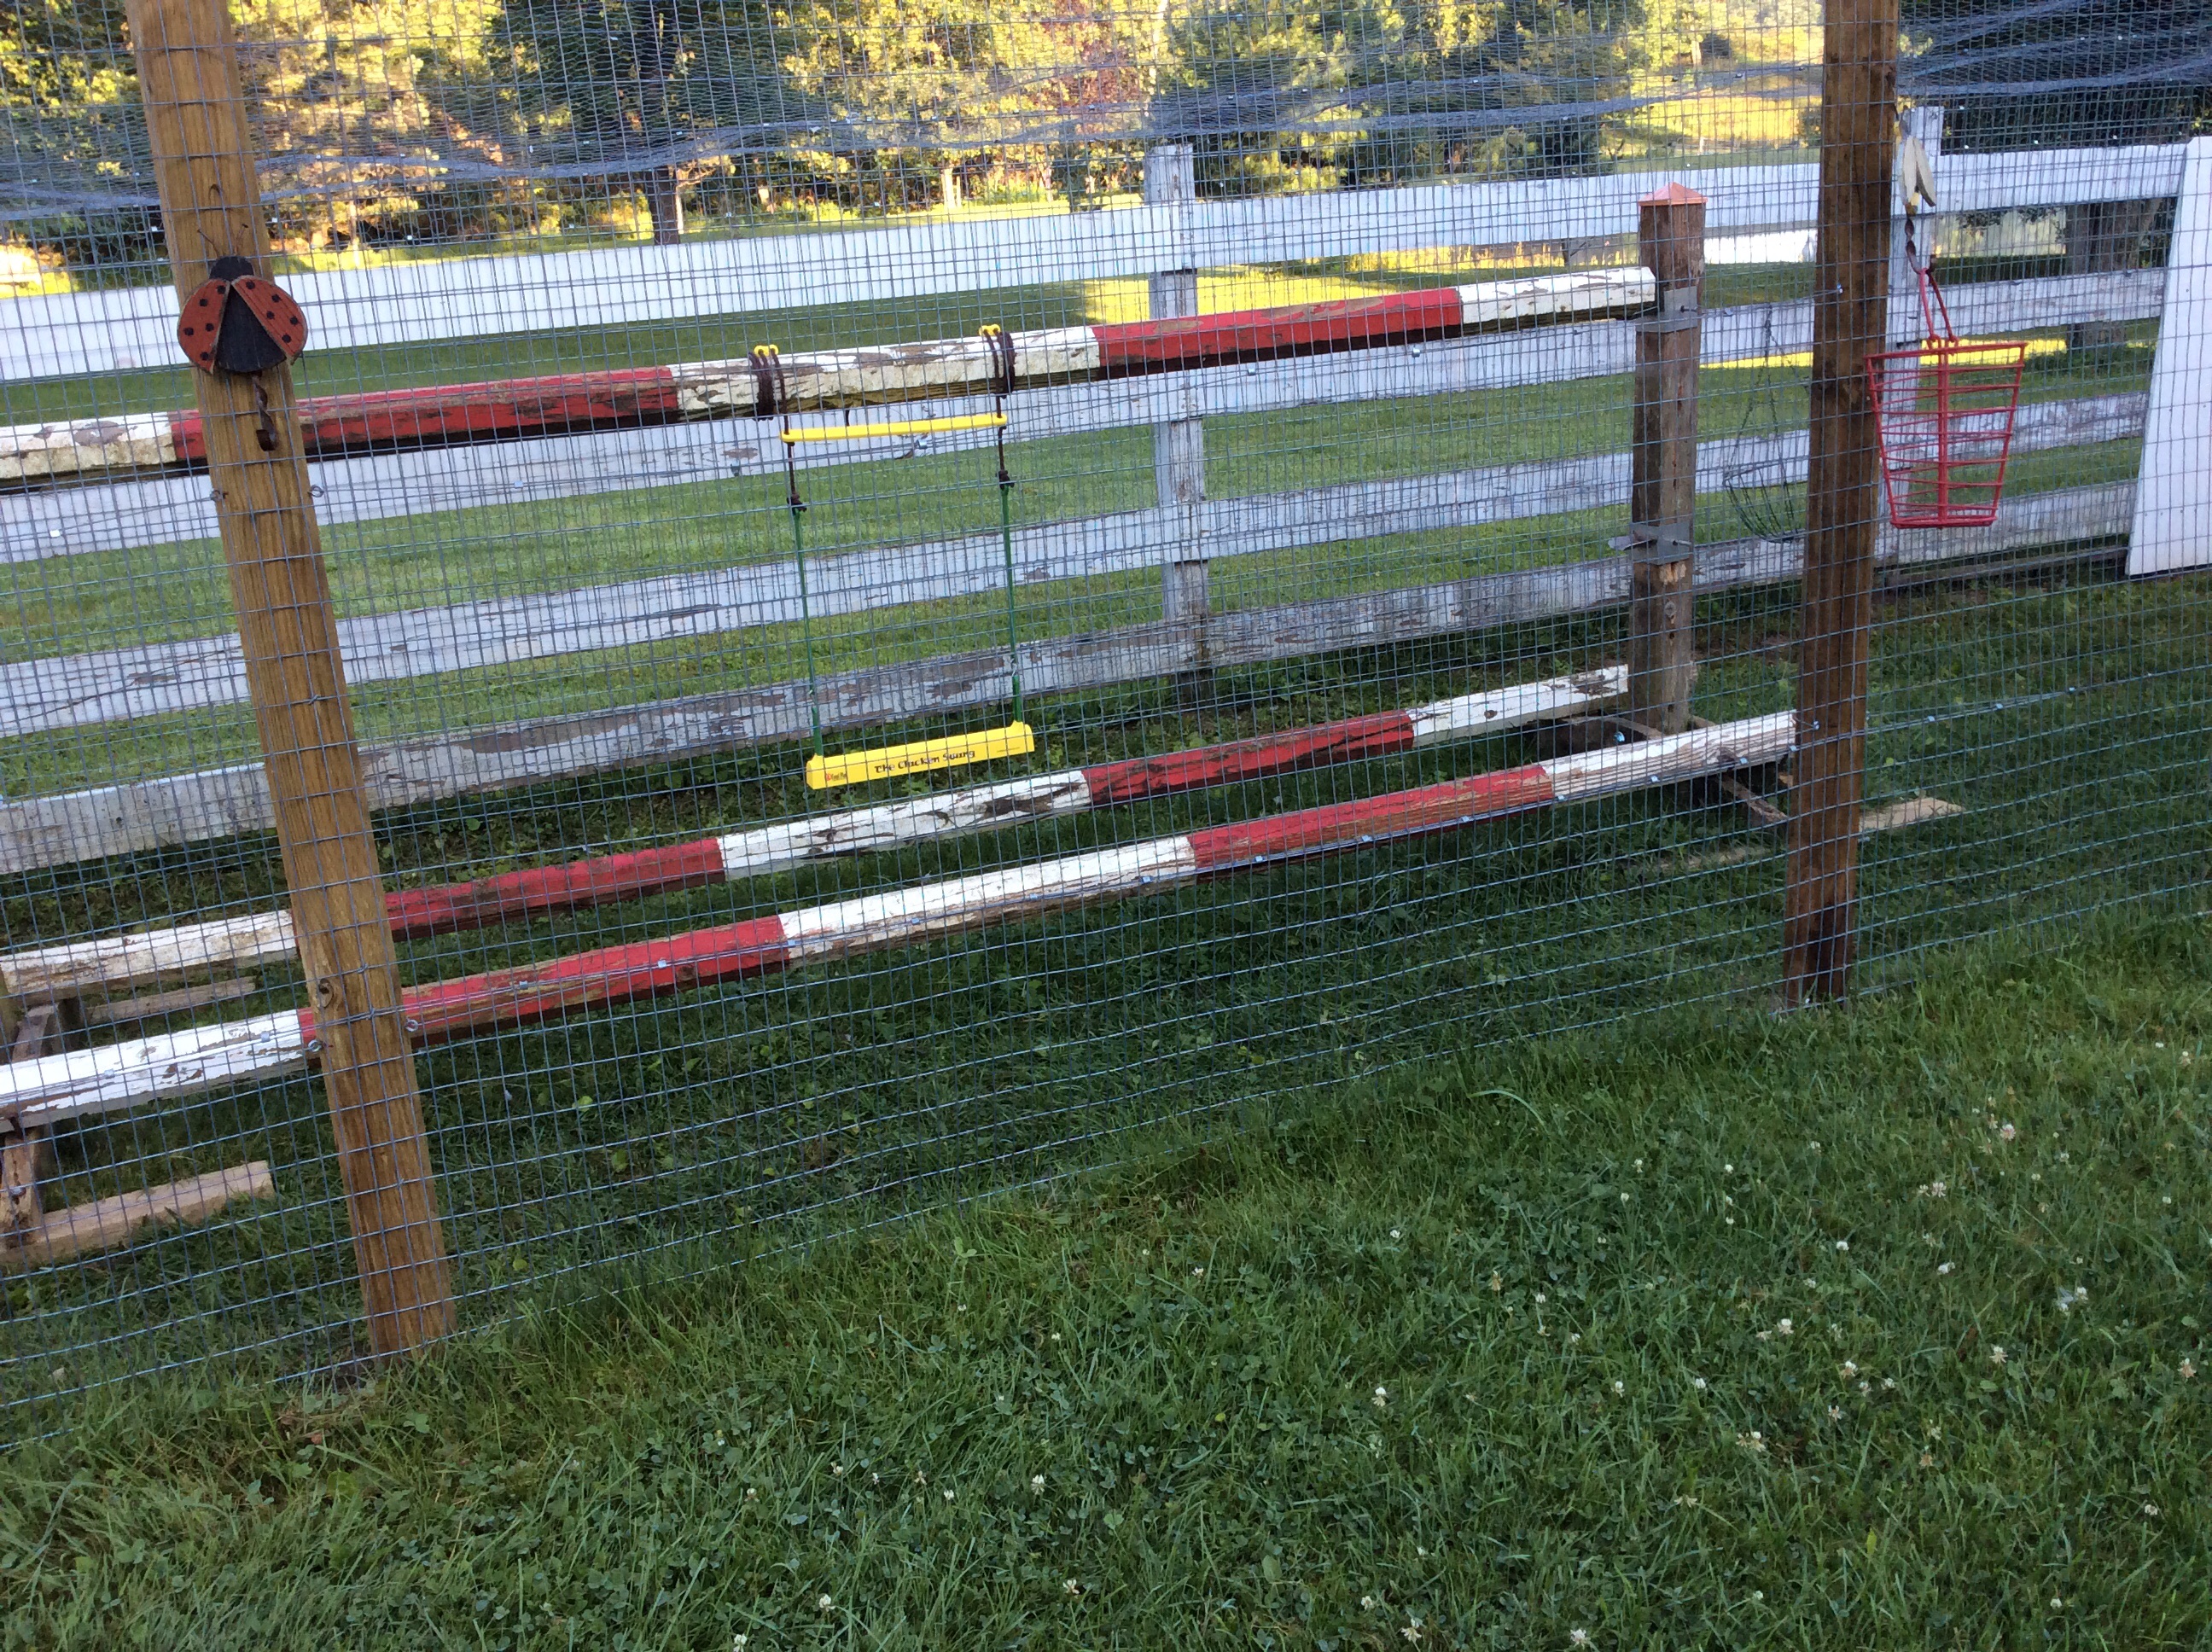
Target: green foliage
(1877, 1327)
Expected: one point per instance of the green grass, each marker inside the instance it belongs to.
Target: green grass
(1865, 1328)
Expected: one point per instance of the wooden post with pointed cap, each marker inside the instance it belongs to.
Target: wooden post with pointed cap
(1670, 238)
(211, 208)
(1851, 303)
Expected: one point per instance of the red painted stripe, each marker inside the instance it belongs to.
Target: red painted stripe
(608, 974)
(1249, 760)
(419, 912)
(1289, 330)
(1397, 814)
(616, 975)
(189, 436)
(480, 412)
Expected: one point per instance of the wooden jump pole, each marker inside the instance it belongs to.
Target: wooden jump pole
(1858, 116)
(1670, 240)
(211, 208)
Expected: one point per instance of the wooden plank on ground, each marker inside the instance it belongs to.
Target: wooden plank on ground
(106, 1223)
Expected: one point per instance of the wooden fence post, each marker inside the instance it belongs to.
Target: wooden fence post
(1179, 446)
(211, 208)
(1858, 124)
(1670, 240)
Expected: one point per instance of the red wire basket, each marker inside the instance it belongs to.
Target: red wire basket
(1943, 415)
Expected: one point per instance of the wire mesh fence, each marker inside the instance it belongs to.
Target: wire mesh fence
(925, 591)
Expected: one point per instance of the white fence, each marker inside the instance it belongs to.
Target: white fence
(603, 288)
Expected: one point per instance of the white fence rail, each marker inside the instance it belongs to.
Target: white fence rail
(72, 334)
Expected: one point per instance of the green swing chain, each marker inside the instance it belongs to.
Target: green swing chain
(772, 398)
(1002, 380)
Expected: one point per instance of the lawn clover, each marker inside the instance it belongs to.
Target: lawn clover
(1619, 1387)
(1412, 1631)
(1578, 1637)
(2188, 1370)
(1396, 1234)
(825, 1603)
(2069, 1299)
(948, 1494)
(1842, 1244)
(1698, 1383)
(1783, 1328)
(1497, 1280)
(1036, 1484)
(1367, 1603)
(1849, 1367)
(1073, 1587)
(2006, 1131)
(2150, 1510)
(1942, 1268)
(1382, 1401)
(1998, 1355)
(1835, 1413)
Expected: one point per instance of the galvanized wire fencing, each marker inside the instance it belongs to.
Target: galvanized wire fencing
(915, 603)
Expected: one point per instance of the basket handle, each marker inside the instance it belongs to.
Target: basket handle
(1931, 295)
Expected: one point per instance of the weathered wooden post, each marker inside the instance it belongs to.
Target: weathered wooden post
(1179, 446)
(1670, 240)
(211, 209)
(1858, 127)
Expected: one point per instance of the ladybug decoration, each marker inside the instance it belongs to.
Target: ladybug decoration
(240, 323)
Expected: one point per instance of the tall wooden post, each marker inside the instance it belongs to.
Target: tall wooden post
(1179, 446)
(211, 209)
(1858, 116)
(1670, 239)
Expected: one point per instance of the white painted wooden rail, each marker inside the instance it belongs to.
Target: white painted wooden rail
(78, 690)
(215, 802)
(72, 334)
(159, 510)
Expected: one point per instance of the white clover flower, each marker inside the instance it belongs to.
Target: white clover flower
(1578, 1637)
(948, 1494)
(1367, 1603)
(1036, 1482)
(1998, 1355)
(1849, 1367)
(825, 1603)
(1842, 1244)
(2006, 1131)
(1620, 1386)
(2151, 1509)
(1396, 1234)
(1942, 1268)
(1835, 1413)
(1785, 1327)
(1198, 1273)
(1382, 1399)
(1698, 1383)
(2188, 1370)
(1073, 1587)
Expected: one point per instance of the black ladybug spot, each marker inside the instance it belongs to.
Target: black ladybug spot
(187, 333)
(288, 337)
